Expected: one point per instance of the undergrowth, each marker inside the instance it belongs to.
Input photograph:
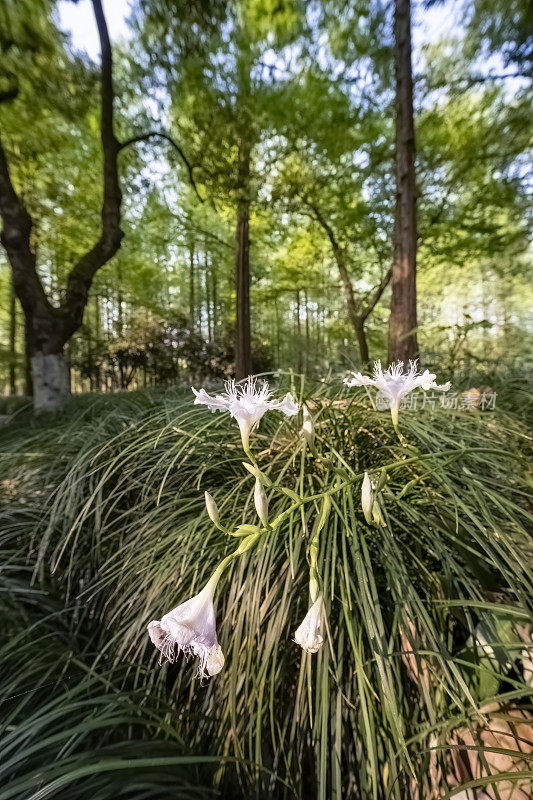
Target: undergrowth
(104, 528)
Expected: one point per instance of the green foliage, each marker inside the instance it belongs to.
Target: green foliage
(122, 535)
(505, 31)
(309, 90)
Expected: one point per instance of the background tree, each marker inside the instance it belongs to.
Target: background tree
(321, 117)
(216, 99)
(49, 327)
(403, 343)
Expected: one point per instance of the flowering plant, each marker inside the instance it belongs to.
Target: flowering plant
(190, 628)
(396, 382)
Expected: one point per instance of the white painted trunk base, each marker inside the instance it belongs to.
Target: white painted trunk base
(51, 388)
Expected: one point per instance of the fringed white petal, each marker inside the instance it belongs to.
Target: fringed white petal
(287, 406)
(397, 381)
(190, 628)
(247, 403)
(356, 379)
(218, 403)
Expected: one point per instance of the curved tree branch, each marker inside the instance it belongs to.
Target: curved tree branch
(143, 137)
(17, 227)
(81, 276)
(374, 298)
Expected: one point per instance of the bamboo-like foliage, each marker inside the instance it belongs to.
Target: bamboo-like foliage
(383, 709)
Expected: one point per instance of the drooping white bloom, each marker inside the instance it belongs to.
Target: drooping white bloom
(310, 633)
(261, 502)
(247, 402)
(395, 383)
(190, 628)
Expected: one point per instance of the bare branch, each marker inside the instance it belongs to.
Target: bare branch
(143, 137)
(375, 297)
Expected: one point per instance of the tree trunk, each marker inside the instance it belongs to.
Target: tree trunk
(243, 345)
(192, 299)
(403, 344)
(47, 327)
(214, 285)
(28, 382)
(208, 307)
(361, 340)
(307, 342)
(298, 333)
(12, 342)
(50, 381)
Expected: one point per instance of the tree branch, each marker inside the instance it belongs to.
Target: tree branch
(81, 276)
(143, 137)
(339, 256)
(16, 238)
(375, 297)
(471, 80)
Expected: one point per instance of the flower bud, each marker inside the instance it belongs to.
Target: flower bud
(308, 427)
(252, 469)
(367, 499)
(377, 513)
(261, 502)
(212, 509)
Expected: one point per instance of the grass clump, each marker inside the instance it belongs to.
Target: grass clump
(428, 614)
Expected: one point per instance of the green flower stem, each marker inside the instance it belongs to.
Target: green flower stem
(246, 544)
(249, 454)
(388, 467)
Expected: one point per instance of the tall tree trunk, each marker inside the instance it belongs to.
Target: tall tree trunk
(97, 373)
(12, 341)
(243, 345)
(207, 284)
(192, 298)
(299, 332)
(362, 340)
(278, 332)
(307, 342)
(28, 382)
(403, 343)
(214, 284)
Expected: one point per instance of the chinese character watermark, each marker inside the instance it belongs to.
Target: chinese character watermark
(469, 400)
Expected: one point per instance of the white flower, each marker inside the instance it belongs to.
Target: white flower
(190, 628)
(261, 502)
(395, 383)
(247, 402)
(309, 635)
